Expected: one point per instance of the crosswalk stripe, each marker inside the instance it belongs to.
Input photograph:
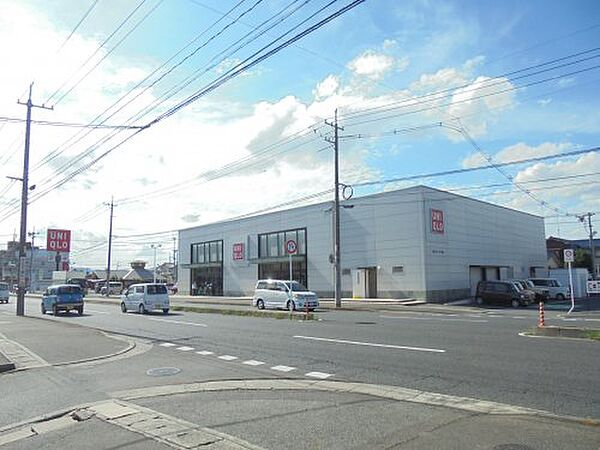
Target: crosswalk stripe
(283, 368)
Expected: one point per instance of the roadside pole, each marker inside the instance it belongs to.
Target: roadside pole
(290, 247)
(569, 255)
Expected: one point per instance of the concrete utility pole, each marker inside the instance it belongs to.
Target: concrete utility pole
(112, 205)
(154, 247)
(32, 235)
(337, 258)
(24, 192)
(174, 260)
(592, 233)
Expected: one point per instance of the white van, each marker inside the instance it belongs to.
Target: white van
(284, 294)
(145, 297)
(555, 289)
(4, 292)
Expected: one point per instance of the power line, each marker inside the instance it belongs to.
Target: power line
(89, 10)
(69, 124)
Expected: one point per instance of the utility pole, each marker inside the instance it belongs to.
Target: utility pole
(337, 259)
(24, 192)
(154, 247)
(112, 205)
(591, 237)
(32, 235)
(174, 260)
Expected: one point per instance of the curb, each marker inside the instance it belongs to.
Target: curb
(7, 366)
(564, 332)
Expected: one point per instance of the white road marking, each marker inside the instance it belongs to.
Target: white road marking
(227, 357)
(252, 362)
(178, 322)
(205, 353)
(4, 322)
(319, 375)
(435, 318)
(167, 344)
(283, 368)
(371, 344)
(185, 349)
(96, 311)
(570, 320)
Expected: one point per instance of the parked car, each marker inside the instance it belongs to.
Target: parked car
(82, 282)
(115, 288)
(523, 288)
(4, 292)
(283, 294)
(145, 297)
(499, 292)
(62, 297)
(555, 289)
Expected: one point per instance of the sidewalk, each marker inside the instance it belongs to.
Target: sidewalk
(29, 342)
(299, 414)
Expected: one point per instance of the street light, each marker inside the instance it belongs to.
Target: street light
(154, 247)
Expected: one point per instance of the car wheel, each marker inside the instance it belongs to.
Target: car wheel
(515, 303)
(165, 310)
(123, 307)
(260, 304)
(560, 297)
(479, 301)
(43, 309)
(141, 309)
(80, 310)
(291, 306)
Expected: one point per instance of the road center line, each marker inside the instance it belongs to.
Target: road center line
(371, 344)
(435, 318)
(178, 322)
(96, 311)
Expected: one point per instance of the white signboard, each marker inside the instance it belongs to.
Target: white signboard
(593, 287)
(569, 254)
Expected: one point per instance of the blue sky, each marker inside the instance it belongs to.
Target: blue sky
(379, 53)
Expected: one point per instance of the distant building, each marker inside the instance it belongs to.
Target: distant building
(39, 265)
(555, 247)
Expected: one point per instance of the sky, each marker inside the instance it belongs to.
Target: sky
(174, 109)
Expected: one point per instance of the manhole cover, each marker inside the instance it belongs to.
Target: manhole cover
(366, 323)
(162, 371)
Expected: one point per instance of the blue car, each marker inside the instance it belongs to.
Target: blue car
(63, 297)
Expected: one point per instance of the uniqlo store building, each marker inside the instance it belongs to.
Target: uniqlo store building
(417, 242)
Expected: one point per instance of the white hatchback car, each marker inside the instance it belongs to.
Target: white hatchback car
(145, 297)
(283, 294)
(555, 289)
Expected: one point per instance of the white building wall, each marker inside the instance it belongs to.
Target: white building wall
(478, 234)
(383, 231)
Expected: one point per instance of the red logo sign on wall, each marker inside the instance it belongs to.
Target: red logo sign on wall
(238, 251)
(58, 240)
(437, 221)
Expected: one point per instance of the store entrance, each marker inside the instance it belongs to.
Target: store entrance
(281, 271)
(207, 281)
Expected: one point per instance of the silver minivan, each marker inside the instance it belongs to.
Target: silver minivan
(555, 289)
(4, 292)
(283, 294)
(145, 297)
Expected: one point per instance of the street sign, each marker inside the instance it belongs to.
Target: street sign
(291, 247)
(569, 254)
(238, 251)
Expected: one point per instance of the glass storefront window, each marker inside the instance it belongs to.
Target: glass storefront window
(273, 245)
(301, 241)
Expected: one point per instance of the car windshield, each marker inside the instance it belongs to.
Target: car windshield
(297, 287)
(154, 289)
(3, 286)
(69, 290)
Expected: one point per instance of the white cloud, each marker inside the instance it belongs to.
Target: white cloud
(544, 101)
(327, 87)
(389, 43)
(371, 64)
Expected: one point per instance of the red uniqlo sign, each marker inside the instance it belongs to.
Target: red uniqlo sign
(58, 240)
(437, 221)
(238, 251)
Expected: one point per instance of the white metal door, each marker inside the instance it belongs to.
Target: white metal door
(359, 283)
(475, 276)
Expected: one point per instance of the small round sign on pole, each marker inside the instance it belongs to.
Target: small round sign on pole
(291, 247)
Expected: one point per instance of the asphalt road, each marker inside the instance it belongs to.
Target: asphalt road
(478, 355)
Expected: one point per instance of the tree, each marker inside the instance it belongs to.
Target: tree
(583, 258)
